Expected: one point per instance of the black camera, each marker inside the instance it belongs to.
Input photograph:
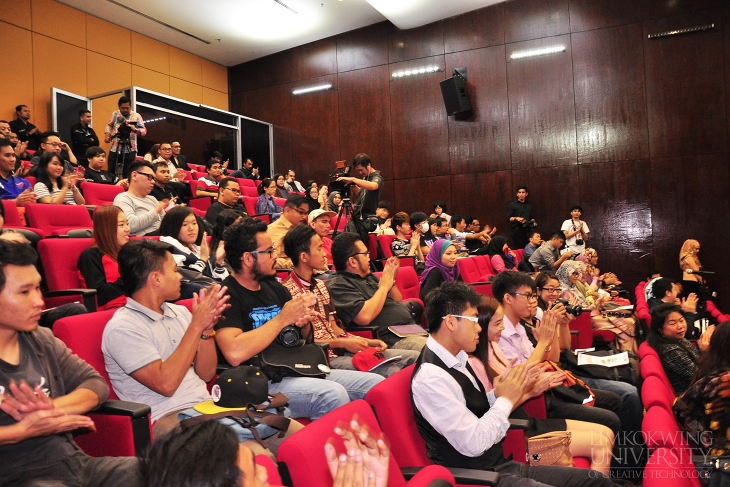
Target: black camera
(579, 241)
(290, 336)
(573, 310)
(529, 224)
(341, 170)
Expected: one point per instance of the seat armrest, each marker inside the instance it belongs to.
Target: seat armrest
(88, 295)
(123, 408)
(325, 346)
(466, 476)
(520, 424)
(575, 332)
(371, 328)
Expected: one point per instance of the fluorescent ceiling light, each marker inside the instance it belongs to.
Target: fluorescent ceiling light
(310, 89)
(537, 52)
(414, 71)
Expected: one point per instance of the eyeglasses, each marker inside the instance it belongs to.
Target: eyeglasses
(473, 319)
(551, 290)
(269, 251)
(234, 191)
(300, 211)
(361, 253)
(529, 296)
(149, 176)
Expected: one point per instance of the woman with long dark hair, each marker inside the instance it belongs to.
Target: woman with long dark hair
(53, 187)
(97, 265)
(266, 204)
(501, 256)
(679, 357)
(281, 191)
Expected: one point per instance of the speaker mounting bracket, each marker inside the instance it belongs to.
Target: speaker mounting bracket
(461, 72)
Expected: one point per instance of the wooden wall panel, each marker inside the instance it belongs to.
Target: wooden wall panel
(185, 90)
(314, 125)
(420, 42)
(419, 194)
(186, 66)
(484, 195)
(598, 14)
(534, 19)
(542, 109)
(16, 12)
(60, 22)
(362, 48)
(151, 80)
(479, 141)
(418, 118)
(108, 39)
(609, 86)
(214, 98)
(272, 105)
(476, 29)
(150, 54)
(16, 88)
(685, 85)
(364, 114)
(262, 72)
(106, 73)
(215, 76)
(654, 9)
(314, 59)
(616, 203)
(552, 191)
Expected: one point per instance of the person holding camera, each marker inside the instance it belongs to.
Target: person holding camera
(123, 128)
(261, 309)
(575, 231)
(365, 192)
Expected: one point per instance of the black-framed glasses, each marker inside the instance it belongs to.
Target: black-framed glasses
(529, 296)
(149, 176)
(234, 191)
(269, 251)
(551, 290)
(367, 252)
(300, 211)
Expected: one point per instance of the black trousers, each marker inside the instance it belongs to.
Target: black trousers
(604, 411)
(514, 474)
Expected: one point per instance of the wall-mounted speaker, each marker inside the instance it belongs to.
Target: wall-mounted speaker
(456, 99)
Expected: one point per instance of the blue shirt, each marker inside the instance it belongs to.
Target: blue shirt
(11, 188)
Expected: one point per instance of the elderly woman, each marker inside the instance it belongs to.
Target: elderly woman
(570, 274)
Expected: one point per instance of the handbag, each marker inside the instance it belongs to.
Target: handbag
(573, 389)
(278, 361)
(714, 471)
(625, 373)
(551, 448)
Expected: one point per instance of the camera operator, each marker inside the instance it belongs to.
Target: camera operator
(365, 191)
(123, 128)
(575, 231)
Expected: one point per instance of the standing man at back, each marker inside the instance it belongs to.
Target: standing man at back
(519, 215)
(365, 193)
(26, 131)
(123, 127)
(83, 137)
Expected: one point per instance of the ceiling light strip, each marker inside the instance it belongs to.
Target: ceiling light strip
(286, 6)
(118, 4)
(681, 31)
(537, 52)
(310, 89)
(411, 72)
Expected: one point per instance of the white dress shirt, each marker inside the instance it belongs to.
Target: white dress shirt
(441, 402)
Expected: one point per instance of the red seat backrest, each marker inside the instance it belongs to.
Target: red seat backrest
(250, 183)
(250, 191)
(373, 245)
(408, 283)
(12, 217)
(280, 201)
(82, 334)
(585, 331)
(518, 255)
(468, 269)
(250, 203)
(484, 264)
(384, 242)
(60, 258)
(257, 182)
(100, 194)
(58, 219)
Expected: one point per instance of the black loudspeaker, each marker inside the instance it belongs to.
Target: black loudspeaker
(455, 96)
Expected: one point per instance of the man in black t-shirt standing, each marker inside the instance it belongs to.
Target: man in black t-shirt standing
(83, 136)
(519, 215)
(365, 193)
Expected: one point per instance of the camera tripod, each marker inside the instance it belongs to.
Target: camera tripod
(345, 209)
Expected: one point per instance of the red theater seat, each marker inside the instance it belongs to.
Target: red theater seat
(58, 219)
(100, 194)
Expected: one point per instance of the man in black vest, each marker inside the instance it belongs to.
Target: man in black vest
(463, 426)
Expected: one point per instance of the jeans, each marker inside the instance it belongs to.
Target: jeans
(344, 362)
(410, 343)
(313, 398)
(632, 412)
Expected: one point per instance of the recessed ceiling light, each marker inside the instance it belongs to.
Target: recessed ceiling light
(537, 52)
(413, 71)
(310, 89)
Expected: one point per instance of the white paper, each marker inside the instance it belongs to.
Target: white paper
(608, 361)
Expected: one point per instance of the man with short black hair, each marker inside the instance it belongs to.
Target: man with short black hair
(95, 159)
(144, 213)
(547, 256)
(576, 231)
(45, 391)
(364, 192)
(519, 215)
(462, 424)
(12, 187)
(211, 181)
(180, 161)
(163, 190)
(535, 240)
(83, 137)
(442, 227)
(296, 212)
(291, 184)
(123, 127)
(26, 131)
(307, 254)
(261, 308)
(385, 222)
(51, 143)
(229, 193)
(362, 299)
(182, 190)
(247, 171)
(5, 129)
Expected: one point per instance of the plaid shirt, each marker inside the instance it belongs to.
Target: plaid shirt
(112, 127)
(321, 326)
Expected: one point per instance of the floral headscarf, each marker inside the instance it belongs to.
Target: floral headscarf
(567, 269)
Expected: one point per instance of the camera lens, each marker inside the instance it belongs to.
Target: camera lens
(289, 336)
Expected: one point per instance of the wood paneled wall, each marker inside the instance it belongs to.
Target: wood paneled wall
(633, 129)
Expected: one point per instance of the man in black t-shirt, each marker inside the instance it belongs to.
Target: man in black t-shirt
(83, 136)
(162, 190)
(228, 193)
(519, 215)
(96, 158)
(261, 308)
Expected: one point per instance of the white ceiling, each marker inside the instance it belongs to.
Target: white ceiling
(242, 30)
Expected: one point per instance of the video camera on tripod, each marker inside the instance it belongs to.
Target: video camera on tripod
(124, 129)
(342, 187)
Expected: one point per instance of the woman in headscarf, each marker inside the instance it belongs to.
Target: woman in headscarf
(333, 201)
(440, 266)
(500, 255)
(312, 194)
(570, 274)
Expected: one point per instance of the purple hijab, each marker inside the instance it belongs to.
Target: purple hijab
(433, 261)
